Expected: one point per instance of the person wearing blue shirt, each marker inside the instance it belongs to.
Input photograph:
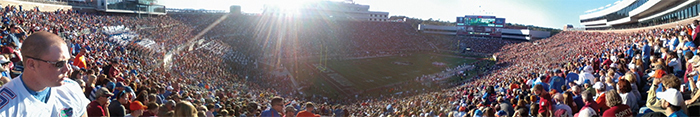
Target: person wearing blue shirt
(490, 95)
(576, 92)
(673, 43)
(557, 81)
(630, 52)
(277, 104)
(690, 46)
(571, 77)
(646, 54)
(544, 85)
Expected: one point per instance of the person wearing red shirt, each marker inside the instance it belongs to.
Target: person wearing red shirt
(80, 59)
(307, 112)
(600, 92)
(545, 100)
(514, 85)
(617, 109)
(98, 107)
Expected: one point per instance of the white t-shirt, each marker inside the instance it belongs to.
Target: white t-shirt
(585, 76)
(630, 100)
(63, 101)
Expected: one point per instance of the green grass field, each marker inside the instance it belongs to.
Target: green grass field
(371, 73)
(376, 72)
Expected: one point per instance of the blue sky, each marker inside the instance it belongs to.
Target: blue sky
(545, 13)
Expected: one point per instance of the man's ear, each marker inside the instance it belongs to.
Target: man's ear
(30, 64)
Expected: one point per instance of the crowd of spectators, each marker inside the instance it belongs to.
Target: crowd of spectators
(574, 74)
(652, 72)
(197, 84)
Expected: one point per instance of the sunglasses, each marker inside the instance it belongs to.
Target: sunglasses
(57, 64)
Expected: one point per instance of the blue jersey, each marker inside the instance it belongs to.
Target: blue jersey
(556, 83)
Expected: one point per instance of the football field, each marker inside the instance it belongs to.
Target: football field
(373, 73)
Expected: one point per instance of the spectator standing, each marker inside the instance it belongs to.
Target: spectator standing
(277, 104)
(557, 81)
(545, 105)
(308, 112)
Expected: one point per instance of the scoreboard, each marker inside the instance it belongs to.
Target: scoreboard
(480, 25)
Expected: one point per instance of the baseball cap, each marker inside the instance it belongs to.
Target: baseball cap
(501, 113)
(137, 105)
(695, 61)
(672, 96)
(478, 113)
(659, 73)
(128, 89)
(110, 85)
(3, 60)
(598, 85)
(103, 92)
(586, 112)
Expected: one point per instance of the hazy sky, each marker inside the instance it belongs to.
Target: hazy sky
(545, 13)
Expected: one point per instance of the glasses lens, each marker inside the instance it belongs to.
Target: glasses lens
(60, 64)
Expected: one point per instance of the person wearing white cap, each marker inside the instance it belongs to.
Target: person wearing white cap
(600, 89)
(5, 69)
(672, 100)
(585, 75)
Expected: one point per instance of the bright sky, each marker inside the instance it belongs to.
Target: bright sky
(545, 13)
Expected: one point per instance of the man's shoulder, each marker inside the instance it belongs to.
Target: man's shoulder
(13, 99)
(69, 87)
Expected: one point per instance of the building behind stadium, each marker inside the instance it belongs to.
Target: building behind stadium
(107, 6)
(478, 26)
(627, 14)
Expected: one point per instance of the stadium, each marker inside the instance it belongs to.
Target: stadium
(341, 59)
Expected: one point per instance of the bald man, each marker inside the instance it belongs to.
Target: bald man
(43, 89)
